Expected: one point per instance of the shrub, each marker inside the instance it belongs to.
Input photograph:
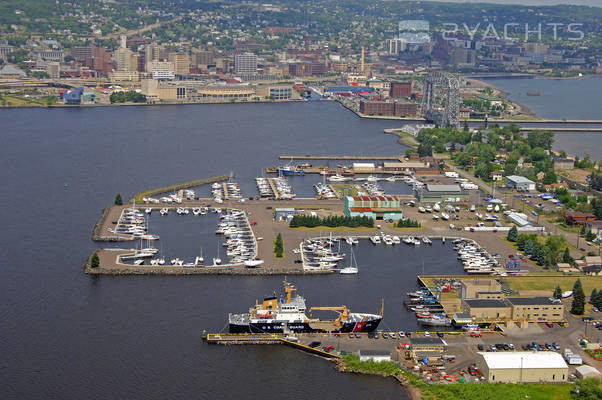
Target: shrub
(94, 260)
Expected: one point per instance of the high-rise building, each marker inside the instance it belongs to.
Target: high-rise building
(125, 59)
(181, 63)
(152, 52)
(245, 64)
(396, 46)
(101, 60)
(53, 69)
(461, 56)
(203, 57)
(82, 53)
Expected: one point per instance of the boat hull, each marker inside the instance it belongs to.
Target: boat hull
(302, 327)
(288, 172)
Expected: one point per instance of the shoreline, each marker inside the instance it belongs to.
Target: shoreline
(526, 111)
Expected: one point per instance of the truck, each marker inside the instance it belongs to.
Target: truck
(572, 358)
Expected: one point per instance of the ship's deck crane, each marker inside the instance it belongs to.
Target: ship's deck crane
(343, 311)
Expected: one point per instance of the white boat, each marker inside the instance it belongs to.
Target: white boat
(436, 207)
(444, 216)
(489, 207)
(435, 217)
(375, 239)
(427, 240)
(496, 208)
(390, 179)
(217, 261)
(196, 211)
(387, 240)
(472, 208)
(396, 239)
(352, 268)
(164, 211)
(371, 178)
(337, 178)
(253, 263)
(421, 209)
(139, 262)
(148, 210)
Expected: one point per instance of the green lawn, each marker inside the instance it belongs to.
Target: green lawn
(463, 391)
(549, 282)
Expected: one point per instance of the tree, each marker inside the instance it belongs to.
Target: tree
(94, 260)
(566, 257)
(593, 298)
(513, 234)
(558, 292)
(118, 200)
(550, 178)
(278, 246)
(578, 305)
(587, 389)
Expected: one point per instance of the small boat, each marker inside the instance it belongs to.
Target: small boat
(253, 263)
(139, 262)
(164, 211)
(436, 207)
(387, 240)
(421, 210)
(396, 240)
(352, 268)
(375, 239)
(472, 208)
(444, 216)
(427, 240)
(148, 210)
(337, 178)
(217, 261)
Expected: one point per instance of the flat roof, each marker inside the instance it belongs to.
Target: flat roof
(427, 341)
(486, 303)
(444, 188)
(364, 352)
(531, 301)
(519, 179)
(523, 359)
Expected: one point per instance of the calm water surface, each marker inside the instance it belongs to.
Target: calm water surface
(562, 99)
(65, 335)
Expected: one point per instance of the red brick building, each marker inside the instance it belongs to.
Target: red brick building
(579, 218)
(397, 109)
(401, 89)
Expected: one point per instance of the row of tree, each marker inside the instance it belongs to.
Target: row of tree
(130, 96)
(278, 246)
(550, 253)
(408, 223)
(334, 221)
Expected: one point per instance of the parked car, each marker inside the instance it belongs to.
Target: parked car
(358, 335)
(549, 324)
(480, 347)
(315, 344)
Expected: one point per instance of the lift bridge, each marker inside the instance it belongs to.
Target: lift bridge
(441, 99)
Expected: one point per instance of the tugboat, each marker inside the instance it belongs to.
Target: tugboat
(287, 314)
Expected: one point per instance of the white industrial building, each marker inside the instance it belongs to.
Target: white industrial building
(522, 367)
(520, 183)
(374, 355)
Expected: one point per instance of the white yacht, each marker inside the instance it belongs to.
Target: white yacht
(337, 178)
(375, 239)
(396, 240)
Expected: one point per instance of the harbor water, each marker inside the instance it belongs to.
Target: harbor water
(67, 335)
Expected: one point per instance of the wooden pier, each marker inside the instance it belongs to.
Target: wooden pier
(273, 187)
(310, 157)
(263, 338)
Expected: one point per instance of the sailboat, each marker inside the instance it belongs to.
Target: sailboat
(199, 259)
(217, 260)
(351, 269)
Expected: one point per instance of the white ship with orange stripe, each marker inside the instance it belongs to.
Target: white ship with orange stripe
(288, 314)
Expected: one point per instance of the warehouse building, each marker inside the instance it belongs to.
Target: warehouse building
(441, 193)
(536, 309)
(430, 348)
(487, 308)
(374, 355)
(378, 207)
(522, 367)
(520, 183)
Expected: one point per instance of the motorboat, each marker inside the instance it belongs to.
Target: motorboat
(375, 239)
(396, 240)
(421, 210)
(436, 207)
(164, 211)
(387, 240)
(337, 178)
(426, 240)
(148, 210)
(253, 263)
(444, 216)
